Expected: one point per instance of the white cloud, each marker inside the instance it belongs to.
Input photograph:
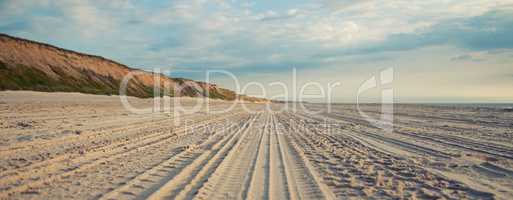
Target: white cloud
(240, 35)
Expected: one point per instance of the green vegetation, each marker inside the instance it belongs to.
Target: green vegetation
(2, 65)
(217, 94)
(17, 76)
(22, 77)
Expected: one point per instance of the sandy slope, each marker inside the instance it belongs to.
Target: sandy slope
(31, 65)
(61, 146)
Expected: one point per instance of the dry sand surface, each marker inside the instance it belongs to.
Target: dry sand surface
(76, 146)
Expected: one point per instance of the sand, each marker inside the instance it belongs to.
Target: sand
(70, 145)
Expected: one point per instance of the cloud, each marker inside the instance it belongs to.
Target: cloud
(467, 57)
(236, 36)
(271, 15)
(225, 22)
(490, 31)
(334, 39)
(342, 4)
(15, 26)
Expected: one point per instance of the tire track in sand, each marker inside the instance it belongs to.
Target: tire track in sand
(232, 178)
(304, 181)
(146, 183)
(278, 181)
(258, 188)
(81, 163)
(187, 182)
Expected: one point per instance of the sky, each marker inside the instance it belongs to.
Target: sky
(439, 51)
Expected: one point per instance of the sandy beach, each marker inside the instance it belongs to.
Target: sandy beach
(71, 145)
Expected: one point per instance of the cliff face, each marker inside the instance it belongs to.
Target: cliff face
(29, 65)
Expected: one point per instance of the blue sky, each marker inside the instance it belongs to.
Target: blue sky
(441, 51)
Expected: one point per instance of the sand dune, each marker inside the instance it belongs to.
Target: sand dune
(62, 146)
